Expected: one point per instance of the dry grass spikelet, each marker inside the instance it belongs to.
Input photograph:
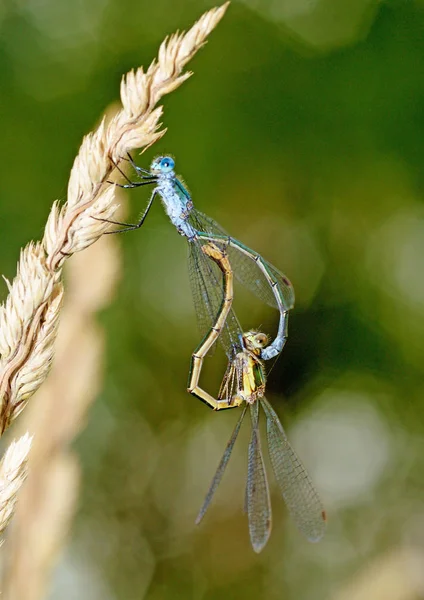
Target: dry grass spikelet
(13, 471)
(31, 375)
(28, 318)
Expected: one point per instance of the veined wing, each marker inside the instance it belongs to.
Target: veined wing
(233, 377)
(229, 382)
(298, 491)
(254, 272)
(207, 286)
(257, 491)
(221, 467)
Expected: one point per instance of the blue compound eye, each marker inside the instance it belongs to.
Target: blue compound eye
(167, 163)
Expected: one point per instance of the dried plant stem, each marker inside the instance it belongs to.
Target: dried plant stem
(29, 317)
(13, 471)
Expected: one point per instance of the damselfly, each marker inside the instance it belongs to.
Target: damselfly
(245, 382)
(258, 275)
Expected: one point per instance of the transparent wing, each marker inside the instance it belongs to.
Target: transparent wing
(296, 486)
(262, 285)
(207, 286)
(257, 491)
(221, 467)
(229, 382)
(244, 262)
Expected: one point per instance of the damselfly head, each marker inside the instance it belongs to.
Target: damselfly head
(255, 341)
(162, 164)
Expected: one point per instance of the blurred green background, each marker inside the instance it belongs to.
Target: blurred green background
(302, 133)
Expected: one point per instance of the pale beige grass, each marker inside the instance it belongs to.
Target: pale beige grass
(29, 316)
(13, 470)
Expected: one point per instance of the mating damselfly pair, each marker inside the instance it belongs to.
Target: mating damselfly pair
(244, 383)
(213, 257)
